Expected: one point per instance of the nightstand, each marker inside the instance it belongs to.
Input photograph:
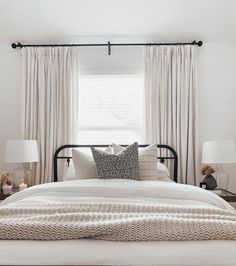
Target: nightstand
(225, 194)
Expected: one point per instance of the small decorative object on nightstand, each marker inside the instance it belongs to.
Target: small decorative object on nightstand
(218, 153)
(13, 191)
(203, 185)
(6, 183)
(6, 189)
(22, 186)
(209, 179)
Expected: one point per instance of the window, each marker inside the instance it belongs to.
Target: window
(110, 109)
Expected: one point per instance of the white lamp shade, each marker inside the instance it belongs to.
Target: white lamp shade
(21, 151)
(219, 152)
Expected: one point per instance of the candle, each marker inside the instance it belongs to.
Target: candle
(22, 186)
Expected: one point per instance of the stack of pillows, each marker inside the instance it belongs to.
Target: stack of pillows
(129, 162)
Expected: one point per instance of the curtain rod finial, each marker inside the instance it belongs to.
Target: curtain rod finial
(13, 45)
(199, 43)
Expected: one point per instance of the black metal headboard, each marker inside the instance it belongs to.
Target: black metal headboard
(162, 159)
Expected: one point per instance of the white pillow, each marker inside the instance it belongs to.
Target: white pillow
(165, 179)
(147, 161)
(70, 172)
(162, 173)
(162, 170)
(84, 164)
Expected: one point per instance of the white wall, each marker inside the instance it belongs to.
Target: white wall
(216, 101)
(11, 98)
(217, 96)
(123, 60)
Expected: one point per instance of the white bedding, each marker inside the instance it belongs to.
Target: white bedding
(97, 252)
(118, 190)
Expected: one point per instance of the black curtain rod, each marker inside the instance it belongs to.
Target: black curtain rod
(109, 45)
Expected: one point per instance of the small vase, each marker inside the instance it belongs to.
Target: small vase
(210, 181)
(6, 189)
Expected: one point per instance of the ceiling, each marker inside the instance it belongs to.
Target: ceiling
(152, 20)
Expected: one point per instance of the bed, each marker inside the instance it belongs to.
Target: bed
(124, 206)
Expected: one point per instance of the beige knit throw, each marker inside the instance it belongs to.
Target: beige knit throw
(116, 221)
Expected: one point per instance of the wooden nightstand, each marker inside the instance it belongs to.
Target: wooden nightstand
(225, 194)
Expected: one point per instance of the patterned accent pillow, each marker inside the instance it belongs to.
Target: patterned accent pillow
(147, 161)
(123, 165)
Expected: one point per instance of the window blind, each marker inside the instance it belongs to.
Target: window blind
(110, 109)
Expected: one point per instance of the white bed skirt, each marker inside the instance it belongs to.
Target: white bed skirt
(97, 252)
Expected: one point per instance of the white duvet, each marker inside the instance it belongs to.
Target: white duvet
(117, 190)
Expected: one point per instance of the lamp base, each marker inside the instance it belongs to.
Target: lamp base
(210, 182)
(21, 175)
(222, 177)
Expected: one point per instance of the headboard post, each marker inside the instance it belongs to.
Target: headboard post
(173, 156)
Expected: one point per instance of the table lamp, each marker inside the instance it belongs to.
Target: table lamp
(21, 151)
(218, 153)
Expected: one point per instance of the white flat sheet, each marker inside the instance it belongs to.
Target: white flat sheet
(97, 252)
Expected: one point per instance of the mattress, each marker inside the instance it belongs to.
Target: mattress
(99, 252)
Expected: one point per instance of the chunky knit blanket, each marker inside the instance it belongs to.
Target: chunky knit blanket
(116, 221)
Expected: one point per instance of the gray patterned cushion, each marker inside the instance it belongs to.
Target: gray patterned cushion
(123, 165)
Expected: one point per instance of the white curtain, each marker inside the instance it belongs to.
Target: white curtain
(170, 104)
(51, 102)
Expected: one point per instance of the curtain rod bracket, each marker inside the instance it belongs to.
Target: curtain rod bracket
(109, 48)
(199, 43)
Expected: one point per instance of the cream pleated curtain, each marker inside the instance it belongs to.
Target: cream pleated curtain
(51, 102)
(169, 104)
